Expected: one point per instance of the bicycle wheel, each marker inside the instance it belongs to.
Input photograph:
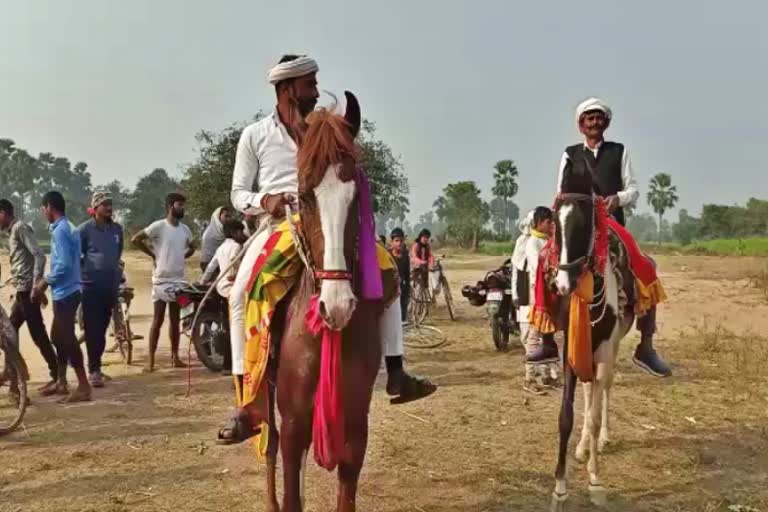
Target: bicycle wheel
(420, 303)
(423, 336)
(448, 297)
(13, 390)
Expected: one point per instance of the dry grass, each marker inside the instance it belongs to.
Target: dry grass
(697, 442)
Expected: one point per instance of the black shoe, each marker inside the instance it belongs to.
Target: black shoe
(546, 353)
(647, 359)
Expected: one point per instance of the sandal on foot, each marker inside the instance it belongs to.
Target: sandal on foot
(239, 429)
(411, 389)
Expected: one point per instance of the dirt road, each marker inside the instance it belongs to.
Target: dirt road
(695, 442)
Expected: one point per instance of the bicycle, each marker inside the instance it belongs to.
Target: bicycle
(14, 374)
(121, 325)
(423, 296)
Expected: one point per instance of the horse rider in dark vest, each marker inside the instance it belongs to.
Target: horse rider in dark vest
(613, 178)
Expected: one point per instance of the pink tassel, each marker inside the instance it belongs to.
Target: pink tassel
(328, 435)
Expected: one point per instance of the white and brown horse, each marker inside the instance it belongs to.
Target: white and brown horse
(610, 321)
(330, 226)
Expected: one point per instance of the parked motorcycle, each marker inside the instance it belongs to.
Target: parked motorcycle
(495, 292)
(210, 333)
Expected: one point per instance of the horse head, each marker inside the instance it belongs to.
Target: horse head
(327, 193)
(575, 228)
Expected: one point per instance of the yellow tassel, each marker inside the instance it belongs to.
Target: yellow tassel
(542, 321)
(580, 329)
(648, 296)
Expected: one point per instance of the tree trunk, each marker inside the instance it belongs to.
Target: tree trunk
(474, 240)
(660, 217)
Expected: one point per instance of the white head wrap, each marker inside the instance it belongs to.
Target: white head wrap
(292, 69)
(593, 104)
(518, 255)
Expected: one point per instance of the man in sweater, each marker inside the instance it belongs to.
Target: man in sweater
(101, 242)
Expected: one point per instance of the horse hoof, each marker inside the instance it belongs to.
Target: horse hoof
(598, 495)
(581, 454)
(558, 502)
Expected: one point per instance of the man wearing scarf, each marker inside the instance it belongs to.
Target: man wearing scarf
(613, 178)
(213, 236)
(265, 180)
(541, 351)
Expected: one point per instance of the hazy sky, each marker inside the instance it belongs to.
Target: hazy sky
(452, 86)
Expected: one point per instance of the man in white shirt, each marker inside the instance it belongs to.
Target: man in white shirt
(234, 232)
(612, 178)
(168, 242)
(265, 180)
(542, 354)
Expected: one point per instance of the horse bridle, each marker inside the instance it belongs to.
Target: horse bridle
(304, 255)
(582, 260)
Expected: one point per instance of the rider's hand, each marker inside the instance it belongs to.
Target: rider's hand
(611, 203)
(274, 204)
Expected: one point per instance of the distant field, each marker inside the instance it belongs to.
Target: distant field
(718, 247)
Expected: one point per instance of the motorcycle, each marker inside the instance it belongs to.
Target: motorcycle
(210, 333)
(495, 292)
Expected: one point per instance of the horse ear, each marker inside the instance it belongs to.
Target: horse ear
(352, 114)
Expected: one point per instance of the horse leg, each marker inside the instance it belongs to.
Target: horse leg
(605, 437)
(272, 447)
(565, 424)
(362, 357)
(583, 447)
(597, 491)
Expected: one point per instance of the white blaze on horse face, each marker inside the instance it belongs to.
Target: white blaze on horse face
(562, 280)
(337, 302)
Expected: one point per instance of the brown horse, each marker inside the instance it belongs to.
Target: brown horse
(329, 224)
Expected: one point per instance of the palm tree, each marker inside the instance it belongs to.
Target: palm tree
(505, 187)
(662, 195)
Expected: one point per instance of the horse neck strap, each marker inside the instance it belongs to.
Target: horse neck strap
(337, 275)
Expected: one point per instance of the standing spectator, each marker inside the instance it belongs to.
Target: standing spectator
(403, 261)
(64, 280)
(170, 243)
(101, 241)
(27, 267)
(213, 236)
(222, 261)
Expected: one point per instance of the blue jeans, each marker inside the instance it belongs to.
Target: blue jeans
(97, 312)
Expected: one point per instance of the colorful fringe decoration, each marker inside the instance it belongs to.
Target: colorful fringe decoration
(328, 419)
(580, 328)
(649, 289)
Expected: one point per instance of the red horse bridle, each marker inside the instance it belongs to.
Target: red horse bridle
(333, 275)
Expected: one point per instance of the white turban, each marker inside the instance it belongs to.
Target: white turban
(593, 104)
(518, 255)
(292, 69)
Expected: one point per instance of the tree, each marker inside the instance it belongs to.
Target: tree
(687, 228)
(662, 195)
(389, 186)
(121, 199)
(463, 211)
(643, 227)
(208, 181)
(504, 215)
(505, 187)
(147, 203)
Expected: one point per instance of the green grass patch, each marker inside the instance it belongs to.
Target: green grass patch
(497, 248)
(716, 247)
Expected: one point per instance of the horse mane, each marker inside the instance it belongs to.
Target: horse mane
(326, 142)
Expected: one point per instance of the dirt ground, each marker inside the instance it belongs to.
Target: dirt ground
(695, 442)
